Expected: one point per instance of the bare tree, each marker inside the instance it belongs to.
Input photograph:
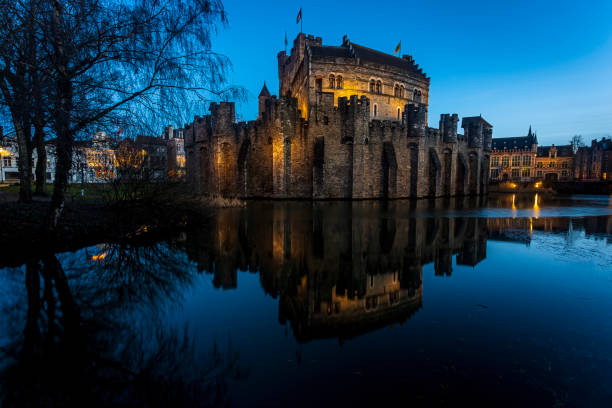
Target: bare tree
(576, 142)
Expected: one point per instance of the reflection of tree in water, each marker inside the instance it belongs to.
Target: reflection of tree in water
(94, 334)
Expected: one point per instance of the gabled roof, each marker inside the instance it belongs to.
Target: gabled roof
(562, 151)
(513, 143)
(364, 54)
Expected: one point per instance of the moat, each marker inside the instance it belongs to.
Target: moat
(505, 300)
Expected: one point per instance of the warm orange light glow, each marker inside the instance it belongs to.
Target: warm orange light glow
(513, 205)
(538, 184)
(99, 257)
(536, 207)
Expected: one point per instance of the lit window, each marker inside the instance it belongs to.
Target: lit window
(505, 161)
(526, 160)
(332, 81)
(526, 173)
(339, 82)
(516, 161)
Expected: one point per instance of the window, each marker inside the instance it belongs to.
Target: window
(378, 86)
(416, 95)
(494, 173)
(6, 162)
(515, 173)
(398, 113)
(495, 161)
(564, 165)
(551, 165)
(526, 160)
(564, 173)
(339, 82)
(372, 85)
(516, 161)
(375, 110)
(401, 91)
(332, 81)
(319, 84)
(505, 161)
(526, 173)
(396, 90)
(539, 173)
(539, 165)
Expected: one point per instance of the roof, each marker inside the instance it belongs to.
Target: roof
(151, 140)
(514, 143)
(264, 91)
(468, 119)
(365, 54)
(562, 151)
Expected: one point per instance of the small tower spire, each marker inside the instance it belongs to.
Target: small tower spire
(264, 91)
(529, 134)
(264, 95)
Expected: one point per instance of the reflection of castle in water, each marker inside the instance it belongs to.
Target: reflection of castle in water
(338, 268)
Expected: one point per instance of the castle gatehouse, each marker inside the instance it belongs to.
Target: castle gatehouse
(350, 123)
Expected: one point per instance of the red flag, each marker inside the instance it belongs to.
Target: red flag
(299, 17)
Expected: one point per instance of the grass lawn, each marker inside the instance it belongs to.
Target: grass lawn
(90, 191)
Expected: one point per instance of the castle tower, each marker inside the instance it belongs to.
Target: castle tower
(264, 95)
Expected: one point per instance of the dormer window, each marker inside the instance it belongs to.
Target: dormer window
(339, 82)
(332, 81)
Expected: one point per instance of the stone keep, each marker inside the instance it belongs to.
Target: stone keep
(325, 140)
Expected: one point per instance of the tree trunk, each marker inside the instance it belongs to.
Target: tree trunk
(62, 115)
(41, 161)
(24, 162)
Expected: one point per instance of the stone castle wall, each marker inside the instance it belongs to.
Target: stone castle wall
(339, 153)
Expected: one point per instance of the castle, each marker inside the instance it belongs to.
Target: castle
(350, 123)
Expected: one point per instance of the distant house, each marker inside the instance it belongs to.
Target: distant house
(155, 150)
(513, 158)
(555, 163)
(176, 152)
(594, 162)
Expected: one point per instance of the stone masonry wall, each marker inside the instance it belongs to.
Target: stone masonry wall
(340, 153)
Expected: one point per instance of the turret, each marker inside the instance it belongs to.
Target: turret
(475, 129)
(264, 95)
(448, 127)
(415, 119)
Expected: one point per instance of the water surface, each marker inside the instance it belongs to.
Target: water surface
(506, 301)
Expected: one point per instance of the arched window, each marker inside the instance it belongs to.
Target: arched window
(332, 81)
(375, 110)
(396, 90)
(401, 91)
(416, 95)
(378, 86)
(339, 81)
(372, 85)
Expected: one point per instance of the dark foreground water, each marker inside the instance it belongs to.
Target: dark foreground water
(425, 303)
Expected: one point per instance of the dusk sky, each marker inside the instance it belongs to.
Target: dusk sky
(547, 63)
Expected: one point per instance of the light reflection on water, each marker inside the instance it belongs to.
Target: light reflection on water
(507, 302)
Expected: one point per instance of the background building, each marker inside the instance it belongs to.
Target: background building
(593, 162)
(513, 158)
(555, 163)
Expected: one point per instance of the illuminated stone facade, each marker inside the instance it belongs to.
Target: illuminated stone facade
(351, 123)
(521, 159)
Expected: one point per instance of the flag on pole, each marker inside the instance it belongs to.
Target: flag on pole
(398, 48)
(299, 17)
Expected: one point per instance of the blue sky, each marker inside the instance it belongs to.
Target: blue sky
(542, 63)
